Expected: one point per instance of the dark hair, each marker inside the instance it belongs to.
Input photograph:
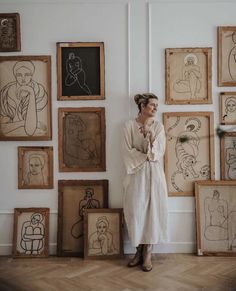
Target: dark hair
(144, 99)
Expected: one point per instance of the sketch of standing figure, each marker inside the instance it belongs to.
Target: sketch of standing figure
(231, 161)
(87, 203)
(191, 75)
(20, 102)
(35, 174)
(232, 57)
(101, 241)
(75, 73)
(32, 234)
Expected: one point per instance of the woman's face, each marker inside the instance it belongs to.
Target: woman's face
(231, 106)
(151, 108)
(35, 166)
(102, 227)
(23, 76)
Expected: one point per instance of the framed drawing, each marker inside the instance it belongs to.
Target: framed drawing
(31, 231)
(80, 70)
(82, 139)
(189, 152)
(103, 233)
(228, 108)
(228, 156)
(10, 32)
(226, 41)
(25, 98)
(216, 217)
(75, 196)
(188, 75)
(35, 167)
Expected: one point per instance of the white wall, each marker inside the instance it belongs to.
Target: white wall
(135, 34)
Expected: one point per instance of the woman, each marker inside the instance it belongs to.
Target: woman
(145, 191)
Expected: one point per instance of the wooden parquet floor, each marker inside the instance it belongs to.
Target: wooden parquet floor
(171, 272)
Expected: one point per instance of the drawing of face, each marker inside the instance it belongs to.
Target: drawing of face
(102, 227)
(88, 194)
(35, 165)
(35, 219)
(23, 76)
(151, 108)
(216, 195)
(230, 105)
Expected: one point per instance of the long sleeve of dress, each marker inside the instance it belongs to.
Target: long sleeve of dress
(133, 158)
(156, 149)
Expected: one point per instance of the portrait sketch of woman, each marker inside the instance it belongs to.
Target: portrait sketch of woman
(35, 167)
(188, 76)
(228, 108)
(25, 98)
(189, 151)
(31, 229)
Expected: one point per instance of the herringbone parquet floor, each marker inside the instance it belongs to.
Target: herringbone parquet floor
(177, 272)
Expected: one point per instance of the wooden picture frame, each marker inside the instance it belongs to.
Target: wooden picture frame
(80, 71)
(226, 42)
(35, 167)
(31, 232)
(189, 154)
(188, 75)
(228, 108)
(216, 218)
(228, 156)
(10, 32)
(25, 98)
(106, 223)
(75, 196)
(82, 139)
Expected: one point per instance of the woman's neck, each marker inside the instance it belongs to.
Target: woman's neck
(143, 119)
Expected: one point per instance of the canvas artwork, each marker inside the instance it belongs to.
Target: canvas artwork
(82, 139)
(80, 70)
(25, 98)
(31, 231)
(228, 108)
(75, 196)
(188, 75)
(189, 152)
(226, 56)
(103, 233)
(216, 217)
(35, 167)
(10, 32)
(228, 156)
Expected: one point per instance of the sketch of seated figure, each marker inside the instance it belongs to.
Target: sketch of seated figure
(191, 75)
(35, 175)
(79, 144)
(32, 235)
(87, 202)
(220, 223)
(231, 161)
(20, 102)
(76, 73)
(101, 241)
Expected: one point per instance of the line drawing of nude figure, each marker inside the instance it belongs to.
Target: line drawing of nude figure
(79, 145)
(33, 234)
(232, 57)
(220, 223)
(21, 100)
(191, 75)
(187, 150)
(76, 73)
(35, 174)
(101, 241)
(87, 202)
(230, 154)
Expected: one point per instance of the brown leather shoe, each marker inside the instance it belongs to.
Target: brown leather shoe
(147, 255)
(138, 257)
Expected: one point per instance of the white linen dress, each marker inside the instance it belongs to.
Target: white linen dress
(145, 190)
